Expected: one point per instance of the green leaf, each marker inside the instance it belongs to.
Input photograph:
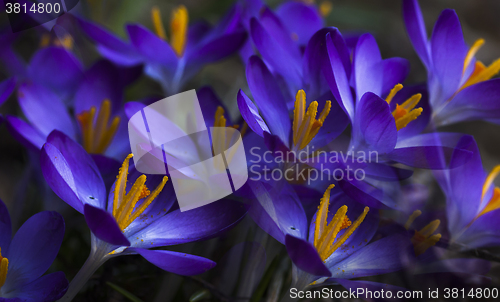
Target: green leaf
(200, 295)
(124, 292)
(264, 282)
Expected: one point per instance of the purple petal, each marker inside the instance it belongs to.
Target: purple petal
(476, 102)
(482, 232)
(427, 151)
(395, 71)
(103, 225)
(5, 227)
(6, 89)
(336, 74)
(57, 69)
(215, 50)
(277, 147)
(415, 27)
(45, 110)
(380, 257)
(175, 262)
(24, 133)
(374, 127)
(367, 67)
(110, 46)
(367, 194)
(197, 224)
(268, 98)
(305, 256)
(448, 52)
(50, 287)
(208, 104)
(100, 83)
(251, 115)
(71, 172)
(34, 247)
(273, 52)
(300, 19)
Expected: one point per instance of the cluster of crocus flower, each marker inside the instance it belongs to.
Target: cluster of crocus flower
(315, 100)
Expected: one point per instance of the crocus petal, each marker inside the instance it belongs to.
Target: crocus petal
(109, 45)
(45, 110)
(104, 226)
(208, 104)
(152, 47)
(277, 210)
(427, 151)
(6, 89)
(71, 172)
(448, 52)
(215, 50)
(415, 28)
(251, 115)
(25, 133)
(482, 232)
(367, 194)
(278, 147)
(34, 248)
(374, 127)
(476, 102)
(99, 84)
(395, 70)
(50, 287)
(336, 74)
(305, 256)
(175, 262)
(279, 58)
(367, 67)
(5, 227)
(57, 69)
(300, 19)
(197, 224)
(268, 98)
(380, 257)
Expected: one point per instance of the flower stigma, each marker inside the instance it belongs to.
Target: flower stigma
(178, 27)
(406, 112)
(425, 238)
(97, 132)
(4, 266)
(125, 205)
(481, 73)
(325, 234)
(221, 142)
(305, 124)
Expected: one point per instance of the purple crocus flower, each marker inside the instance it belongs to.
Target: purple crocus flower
(172, 63)
(330, 247)
(134, 218)
(472, 200)
(460, 87)
(6, 89)
(389, 128)
(98, 119)
(27, 256)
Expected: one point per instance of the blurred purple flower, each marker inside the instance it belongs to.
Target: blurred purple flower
(460, 87)
(27, 256)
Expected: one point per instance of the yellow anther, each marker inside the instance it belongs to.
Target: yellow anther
(472, 52)
(125, 205)
(494, 202)
(412, 218)
(97, 132)
(4, 267)
(178, 29)
(157, 23)
(305, 124)
(405, 113)
(325, 8)
(480, 73)
(45, 40)
(325, 234)
(393, 92)
(425, 238)
(489, 180)
(66, 42)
